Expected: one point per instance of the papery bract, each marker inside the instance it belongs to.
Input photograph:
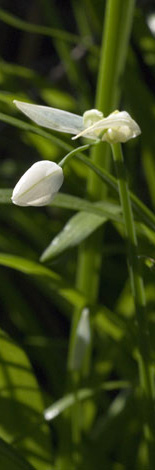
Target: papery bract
(39, 185)
(117, 127)
(52, 118)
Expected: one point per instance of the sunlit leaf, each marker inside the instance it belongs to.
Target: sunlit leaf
(79, 227)
(56, 282)
(21, 404)
(11, 459)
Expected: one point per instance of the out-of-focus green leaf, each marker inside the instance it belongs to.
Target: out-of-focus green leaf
(79, 227)
(56, 282)
(45, 148)
(66, 201)
(146, 232)
(37, 29)
(28, 267)
(58, 99)
(36, 130)
(8, 98)
(11, 74)
(106, 208)
(17, 70)
(5, 196)
(10, 459)
(21, 404)
(107, 322)
(84, 394)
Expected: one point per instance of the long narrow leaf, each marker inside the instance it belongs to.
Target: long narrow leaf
(56, 282)
(79, 227)
(36, 130)
(16, 22)
(21, 403)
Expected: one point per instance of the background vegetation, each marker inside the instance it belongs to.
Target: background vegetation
(51, 54)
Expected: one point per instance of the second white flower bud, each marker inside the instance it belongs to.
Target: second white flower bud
(39, 185)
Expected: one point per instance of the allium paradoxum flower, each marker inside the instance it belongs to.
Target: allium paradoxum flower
(117, 127)
(38, 186)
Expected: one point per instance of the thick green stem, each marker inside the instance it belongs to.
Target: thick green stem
(116, 32)
(138, 291)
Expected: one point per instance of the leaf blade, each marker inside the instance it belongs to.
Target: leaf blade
(79, 227)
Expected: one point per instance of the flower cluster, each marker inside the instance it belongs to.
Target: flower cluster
(117, 127)
(42, 181)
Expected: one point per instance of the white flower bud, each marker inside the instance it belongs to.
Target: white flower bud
(91, 116)
(39, 185)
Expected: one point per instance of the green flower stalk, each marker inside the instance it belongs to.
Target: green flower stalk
(138, 292)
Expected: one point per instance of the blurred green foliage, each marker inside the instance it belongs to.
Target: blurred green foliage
(50, 55)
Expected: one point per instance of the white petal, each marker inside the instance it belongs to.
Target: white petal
(52, 118)
(115, 120)
(38, 186)
(91, 116)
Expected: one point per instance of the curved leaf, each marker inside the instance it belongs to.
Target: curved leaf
(16, 22)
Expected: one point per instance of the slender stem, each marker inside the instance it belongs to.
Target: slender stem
(116, 33)
(138, 291)
(145, 214)
(74, 152)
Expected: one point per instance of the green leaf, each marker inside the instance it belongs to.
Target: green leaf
(106, 208)
(37, 29)
(66, 201)
(36, 130)
(5, 196)
(56, 282)
(10, 459)
(84, 394)
(105, 321)
(21, 405)
(58, 99)
(28, 267)
(79, 227)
